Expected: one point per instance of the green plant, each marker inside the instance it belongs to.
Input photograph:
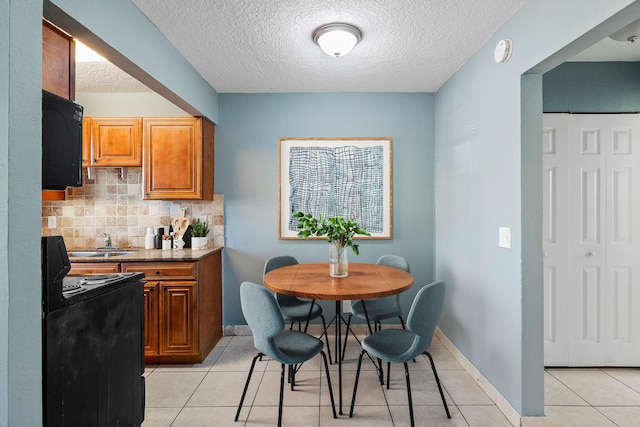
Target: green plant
(199, 228)
(337, 229)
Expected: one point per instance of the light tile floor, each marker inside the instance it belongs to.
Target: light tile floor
(207, 394)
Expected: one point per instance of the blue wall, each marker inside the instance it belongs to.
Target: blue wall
(488, 175)
(593, 87)
(20, 180)
(247, 175)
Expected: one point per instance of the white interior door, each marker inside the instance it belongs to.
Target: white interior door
(555, 239)
(590, 277)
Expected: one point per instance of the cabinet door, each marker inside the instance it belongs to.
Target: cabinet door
(174, 159)
(86, 141)
(151, 311)
(116, 141)
(58, 62)
(179, 318)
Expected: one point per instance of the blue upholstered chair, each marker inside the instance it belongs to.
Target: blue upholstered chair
(378, 309)
(294, 309)
(289, 347)
(400, 346)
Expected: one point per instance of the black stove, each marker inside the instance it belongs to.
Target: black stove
(76, 285)
(92, 344)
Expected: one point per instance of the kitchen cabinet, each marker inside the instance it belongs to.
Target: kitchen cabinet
(151, 310)
(58, 62)
(182, 308)
(86, 268)
(112, 141)
(171, 290)
(58, 74)
(178, 158)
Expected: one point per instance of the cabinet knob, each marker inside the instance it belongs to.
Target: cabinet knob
(95, 160)
(157, 272)
(591, 253)
(164, 288)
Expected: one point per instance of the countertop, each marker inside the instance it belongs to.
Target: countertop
(141, 254)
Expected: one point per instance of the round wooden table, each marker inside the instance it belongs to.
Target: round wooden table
(365, 281)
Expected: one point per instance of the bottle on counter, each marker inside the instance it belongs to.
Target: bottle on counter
(158, 238)
(149, 239)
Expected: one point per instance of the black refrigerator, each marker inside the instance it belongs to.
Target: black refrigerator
(93, 351)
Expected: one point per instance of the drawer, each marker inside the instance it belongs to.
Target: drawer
(163, 270)
(84, 268)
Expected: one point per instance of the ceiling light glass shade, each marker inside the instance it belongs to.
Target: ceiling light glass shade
(630, 33)
(337, 39)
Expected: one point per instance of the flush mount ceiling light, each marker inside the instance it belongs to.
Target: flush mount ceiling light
(630, 33)
(337, 39)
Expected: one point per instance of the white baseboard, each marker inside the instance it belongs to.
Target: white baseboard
(503, 404)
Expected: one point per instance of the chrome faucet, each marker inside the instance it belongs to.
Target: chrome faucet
(107, 240)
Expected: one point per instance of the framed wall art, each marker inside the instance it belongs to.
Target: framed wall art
(348, 177)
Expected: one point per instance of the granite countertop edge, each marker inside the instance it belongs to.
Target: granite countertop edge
(142, 255)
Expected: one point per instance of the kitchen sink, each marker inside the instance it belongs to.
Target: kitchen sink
(117, 253)
(84, 253)
(101, 253)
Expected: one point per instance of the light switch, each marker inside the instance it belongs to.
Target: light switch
(504, 237)
(51, 221)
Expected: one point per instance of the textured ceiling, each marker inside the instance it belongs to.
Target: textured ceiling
(266, 46)
(255, 46)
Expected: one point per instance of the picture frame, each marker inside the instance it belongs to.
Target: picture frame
(350, 177)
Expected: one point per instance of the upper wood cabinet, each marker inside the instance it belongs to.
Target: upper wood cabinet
(112, 141)
(178, 158)
(58, 74)
(58, 62)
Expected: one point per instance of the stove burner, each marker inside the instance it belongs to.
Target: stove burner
(103, 279)
(71, 288)
(75, 286)
(97, 277)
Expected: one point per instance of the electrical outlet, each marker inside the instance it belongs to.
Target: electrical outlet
(51, 221)
(504, 237)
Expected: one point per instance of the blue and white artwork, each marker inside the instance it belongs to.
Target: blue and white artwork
(348, 178)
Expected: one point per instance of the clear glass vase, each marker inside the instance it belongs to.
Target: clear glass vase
(338, 261)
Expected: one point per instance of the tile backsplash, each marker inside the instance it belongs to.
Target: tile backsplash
(110, 204)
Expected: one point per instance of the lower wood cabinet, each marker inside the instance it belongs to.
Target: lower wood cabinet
(171, 316)
(182, 308)
(182, 305)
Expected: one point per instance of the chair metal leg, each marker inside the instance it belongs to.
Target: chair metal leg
(326, 369)
(292, 376)
(281, 395)
(435, 374)
(406, 375)
(246, 385)
(388, 373)
(355, 385)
